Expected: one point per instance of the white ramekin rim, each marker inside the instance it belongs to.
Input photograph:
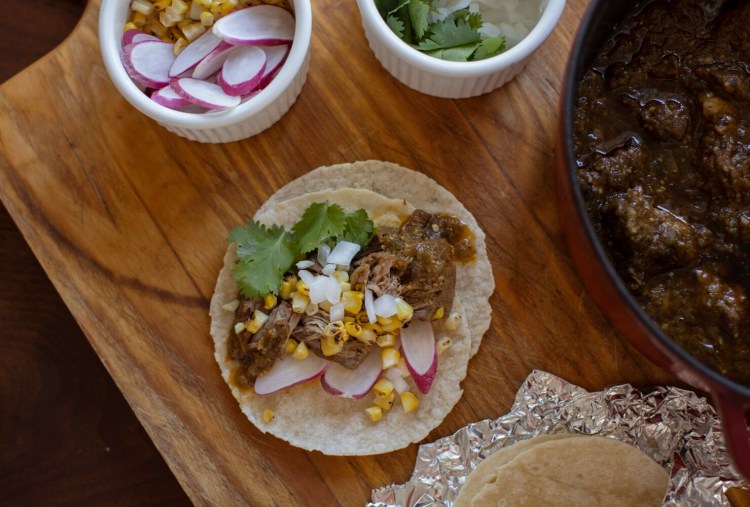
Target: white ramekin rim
(110, 42)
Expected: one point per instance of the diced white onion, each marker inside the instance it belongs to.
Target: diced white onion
(329, 269)
(306, 276)
(332, 290)
(343, 253)
(399, 385)
(323, 251)
(337, 312)
(318, 289)
(385, 306)
(369, 306)
(305, 264)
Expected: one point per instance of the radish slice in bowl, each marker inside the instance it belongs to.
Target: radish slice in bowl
(148, 62)
(213, 61)
(288, 372)
(242, 70)
(194, 53)
(275, 58)
(259, 25)
(420, 355)
(202, 93)
(169, 98)
(357, 383)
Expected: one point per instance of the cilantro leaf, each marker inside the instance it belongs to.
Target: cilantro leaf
(319, 222)
(359, 228)
(418, 11)
(455, 54)
(396, 26)
(263, 256)
(450, 33)
(489, 47)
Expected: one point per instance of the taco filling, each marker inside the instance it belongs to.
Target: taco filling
(362, 307)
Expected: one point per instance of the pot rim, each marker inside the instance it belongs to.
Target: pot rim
(568, 97)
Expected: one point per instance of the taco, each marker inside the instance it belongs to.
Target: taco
(339, 318)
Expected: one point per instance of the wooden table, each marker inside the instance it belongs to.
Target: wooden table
(128, 221)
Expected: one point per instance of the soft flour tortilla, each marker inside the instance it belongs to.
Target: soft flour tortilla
(474, 282)
(308, 417)
(562, 471)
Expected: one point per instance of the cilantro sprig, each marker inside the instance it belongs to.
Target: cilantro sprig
(265, 254)
(456, 37)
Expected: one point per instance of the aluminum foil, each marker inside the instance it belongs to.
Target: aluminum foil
(677, 428)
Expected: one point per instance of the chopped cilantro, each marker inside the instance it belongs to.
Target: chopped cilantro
(265, 254)
(455, 37)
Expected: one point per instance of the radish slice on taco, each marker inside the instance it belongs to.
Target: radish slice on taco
(319, 287)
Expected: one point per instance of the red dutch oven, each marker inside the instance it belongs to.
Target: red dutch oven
(599, 275)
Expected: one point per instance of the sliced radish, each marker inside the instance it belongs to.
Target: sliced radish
(194, 53)
(242, 70)
(288, 372)
(418, 346)
(167, 97)
(369, 306)
(259, 25)
(213, 61)
(357, 383)
(132, 36)
(148, 62)
(385, 306)
(275, 58)
(343, 253)
(201, 93)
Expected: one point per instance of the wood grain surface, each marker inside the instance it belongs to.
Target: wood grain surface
(129, 222)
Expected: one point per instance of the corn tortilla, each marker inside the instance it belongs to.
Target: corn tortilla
(305, 415)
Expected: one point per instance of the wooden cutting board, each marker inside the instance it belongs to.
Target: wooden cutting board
(129, 221)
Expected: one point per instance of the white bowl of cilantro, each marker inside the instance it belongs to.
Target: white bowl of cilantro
(457, 48)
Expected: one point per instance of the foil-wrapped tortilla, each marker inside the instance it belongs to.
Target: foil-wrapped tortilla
(675, 427)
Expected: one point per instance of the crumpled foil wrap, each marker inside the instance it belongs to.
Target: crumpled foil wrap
(677, 428)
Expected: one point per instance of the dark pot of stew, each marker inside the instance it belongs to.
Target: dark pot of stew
(653, 187)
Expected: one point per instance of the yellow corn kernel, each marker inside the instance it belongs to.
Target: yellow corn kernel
(143, 6)
(403, 368)
(409, 401)
(158, 29)
(129, 26)
(301, 351)
(254, 324)
(368, 335)
(341, 276)
(207, 18)
(228, 6)
(288, 285)
(389, 324)
(268, 415)
(303, 288)
(290, 346)
(193, 30)
(203, 3)
(382, 387)
(385, 402)
(183, 23)
(375, 327)
(352, 301)
(160, 5)
(386, 340)
(334, 337)
(165, 20)
(349, 319)
(269, 301)
(312, 309)
(139, 19)
(179, 7)
(179, 45)
(443, 344)
(453, 321)
(216, 6)
(325, 305)
(345, 286)
(374, 413)
(353, 329)
(390, 357)
(404, 310)
(438, 313)
(361, 316)
(299, 302)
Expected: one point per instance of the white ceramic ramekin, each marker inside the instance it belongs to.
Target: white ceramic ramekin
(454, 80)
(246, 120)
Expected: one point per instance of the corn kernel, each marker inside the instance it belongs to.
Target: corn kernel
(179, 7)
(268, 415)
(443, 344)
(228, 6)
(139, 19)
(216, 6)
(404, 310)
(453, 321)
(158, 29)
(254, 324)
(389, 324)
(312, 309)
(325, 305)
(290, 346)
(361, 316)
(143, 6)
(334, 337)
(269, 301)
(303, 288)
(129, 26)
(385, 402)
(403, 368)
(368, 335)
(390, 357)
(409, 401)
(160, 5)
(193, 30)
(386, 340)
(203, 3)
(288, 285)
(374, 413)
(341, 276)
(299, 302)
(207, 18)
(352, 301)
(353, 329)
(179, 45)
(348, 319)
(438, 313)
(301, 351)
(165, 19)
(183, 23)
(382, 387)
